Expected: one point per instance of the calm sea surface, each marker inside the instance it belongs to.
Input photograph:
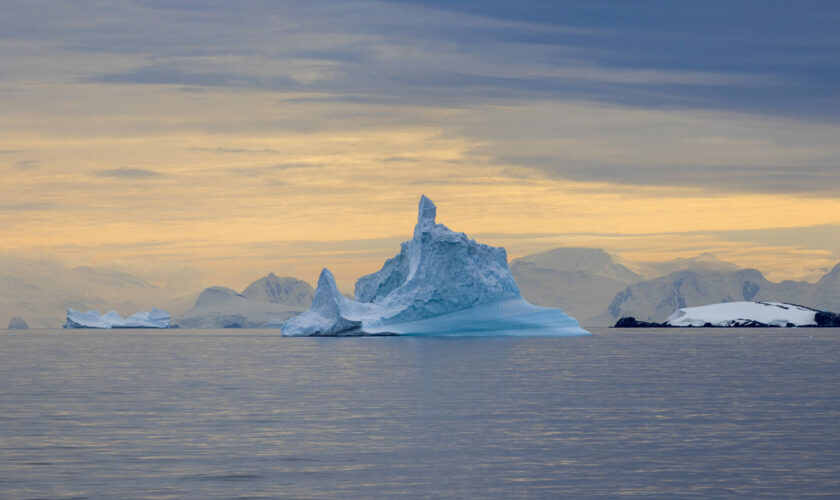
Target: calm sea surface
(248, 414)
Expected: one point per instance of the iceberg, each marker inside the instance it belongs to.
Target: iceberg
(155, 318)
(440, 283)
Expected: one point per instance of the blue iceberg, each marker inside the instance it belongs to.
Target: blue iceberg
(441, 283)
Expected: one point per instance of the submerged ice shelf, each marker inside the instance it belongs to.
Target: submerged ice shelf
(441, 283)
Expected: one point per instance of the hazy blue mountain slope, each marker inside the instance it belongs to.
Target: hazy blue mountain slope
(41, 291)
(266, 302)
(280, 290)
(581, 281)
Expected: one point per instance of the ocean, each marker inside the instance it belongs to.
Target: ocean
(248, 414)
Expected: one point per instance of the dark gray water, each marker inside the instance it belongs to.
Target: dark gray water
(248, 414)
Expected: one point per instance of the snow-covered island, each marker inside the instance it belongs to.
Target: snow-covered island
(741, 314)
(441, 283)
(155, 318)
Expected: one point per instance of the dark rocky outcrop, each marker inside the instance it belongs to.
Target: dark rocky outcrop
(827, 319)
(631, 322)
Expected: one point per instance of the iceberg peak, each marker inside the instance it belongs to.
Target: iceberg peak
(326, 294)
(427, 210)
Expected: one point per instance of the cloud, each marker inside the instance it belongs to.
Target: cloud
(494, 105)
(221, 150)
(400, 159)
(168, 75)
(628, 146)
(27, 164)
(815, 181)
(434, 52)
(129, 173)
(252, 171)
(26, 207)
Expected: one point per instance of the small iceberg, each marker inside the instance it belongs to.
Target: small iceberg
(156, 318)
(441, 283)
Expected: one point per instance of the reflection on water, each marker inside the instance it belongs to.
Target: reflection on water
(227, 414)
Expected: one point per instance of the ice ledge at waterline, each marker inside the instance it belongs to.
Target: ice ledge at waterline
(441, 283)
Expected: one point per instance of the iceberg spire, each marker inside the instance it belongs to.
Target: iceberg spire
(427, 211)
(326, 293)
(328, 314)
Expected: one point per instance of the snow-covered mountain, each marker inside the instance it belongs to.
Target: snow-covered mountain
(593, 261)
(581, 281)
(266, 302)
(440, 283)
(277, 290)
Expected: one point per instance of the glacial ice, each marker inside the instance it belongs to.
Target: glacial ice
(441, 283)
(155, 318)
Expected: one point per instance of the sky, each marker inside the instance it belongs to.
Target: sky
(211, 142)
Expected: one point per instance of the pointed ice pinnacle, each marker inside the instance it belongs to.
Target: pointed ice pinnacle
(326, 295)
(330, 314)
(428, 210)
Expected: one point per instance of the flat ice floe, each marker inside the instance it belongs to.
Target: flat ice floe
(441, 283)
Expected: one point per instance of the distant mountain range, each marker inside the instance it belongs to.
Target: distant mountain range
(590, 284)
(598, 288)
(581, 281)
(39, 291)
